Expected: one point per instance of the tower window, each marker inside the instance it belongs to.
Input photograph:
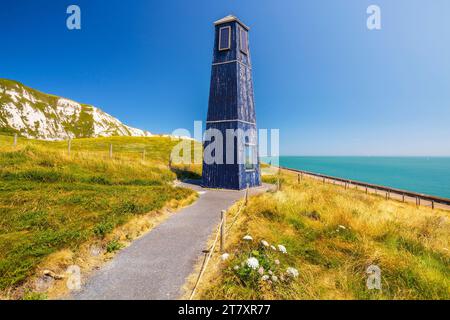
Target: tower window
(224, 38)
(250, 156)
(244, 41)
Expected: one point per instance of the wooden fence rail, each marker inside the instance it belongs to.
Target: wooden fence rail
(222, 230)
(388, 190)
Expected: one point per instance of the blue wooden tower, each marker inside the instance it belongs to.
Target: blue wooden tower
(232, 108)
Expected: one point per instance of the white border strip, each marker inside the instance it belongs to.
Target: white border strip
(231, 61)
(237, 120)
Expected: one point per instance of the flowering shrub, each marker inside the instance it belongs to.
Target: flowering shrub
(225, 256)
(258, 266)
(282, 248)
(292, 272)
(252, 263)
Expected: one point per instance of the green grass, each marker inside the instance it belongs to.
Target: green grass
(51, 201)
(113, 246)
(34, 296)
(332, 235)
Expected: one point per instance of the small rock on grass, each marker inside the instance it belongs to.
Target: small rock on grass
(53, 275)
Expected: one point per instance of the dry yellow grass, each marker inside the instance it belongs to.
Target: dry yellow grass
(332, 235)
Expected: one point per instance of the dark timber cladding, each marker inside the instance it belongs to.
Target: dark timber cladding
(231, 106)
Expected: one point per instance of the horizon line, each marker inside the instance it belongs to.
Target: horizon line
(365, 156)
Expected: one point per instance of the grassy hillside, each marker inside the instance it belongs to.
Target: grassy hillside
(51, 201)
(331, 236)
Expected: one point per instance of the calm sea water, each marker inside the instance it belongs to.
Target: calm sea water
(429, 175)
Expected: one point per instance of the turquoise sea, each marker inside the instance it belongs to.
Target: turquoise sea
(429, 175)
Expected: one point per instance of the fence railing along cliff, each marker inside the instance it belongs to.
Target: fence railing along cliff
(399, 194)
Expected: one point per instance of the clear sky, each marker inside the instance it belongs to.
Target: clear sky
(329, 84)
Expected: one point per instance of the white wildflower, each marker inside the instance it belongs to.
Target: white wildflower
(253, 263)
(282, 248)
(342, 227)
(248, 238)
(225, 256)
(277, 262)
(274, 278)
(264, 243)
(236, 267)
(273, 248)
(265, 277)
(270, 272)
(292, 272)
(261, 270)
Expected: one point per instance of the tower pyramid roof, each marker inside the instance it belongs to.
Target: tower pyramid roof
(230, 18)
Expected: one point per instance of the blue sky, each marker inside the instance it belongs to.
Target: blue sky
(329, 84)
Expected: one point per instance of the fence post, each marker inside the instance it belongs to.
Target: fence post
(69, 145)
(223, 219)
(323, 180)
(418, 199)
(15, 140)
(403, 197)
(366, 190)
(386, 195)
(298, 178)
(432, 204)
(246, 194)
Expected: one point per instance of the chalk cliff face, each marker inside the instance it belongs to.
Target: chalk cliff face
(34, 114)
